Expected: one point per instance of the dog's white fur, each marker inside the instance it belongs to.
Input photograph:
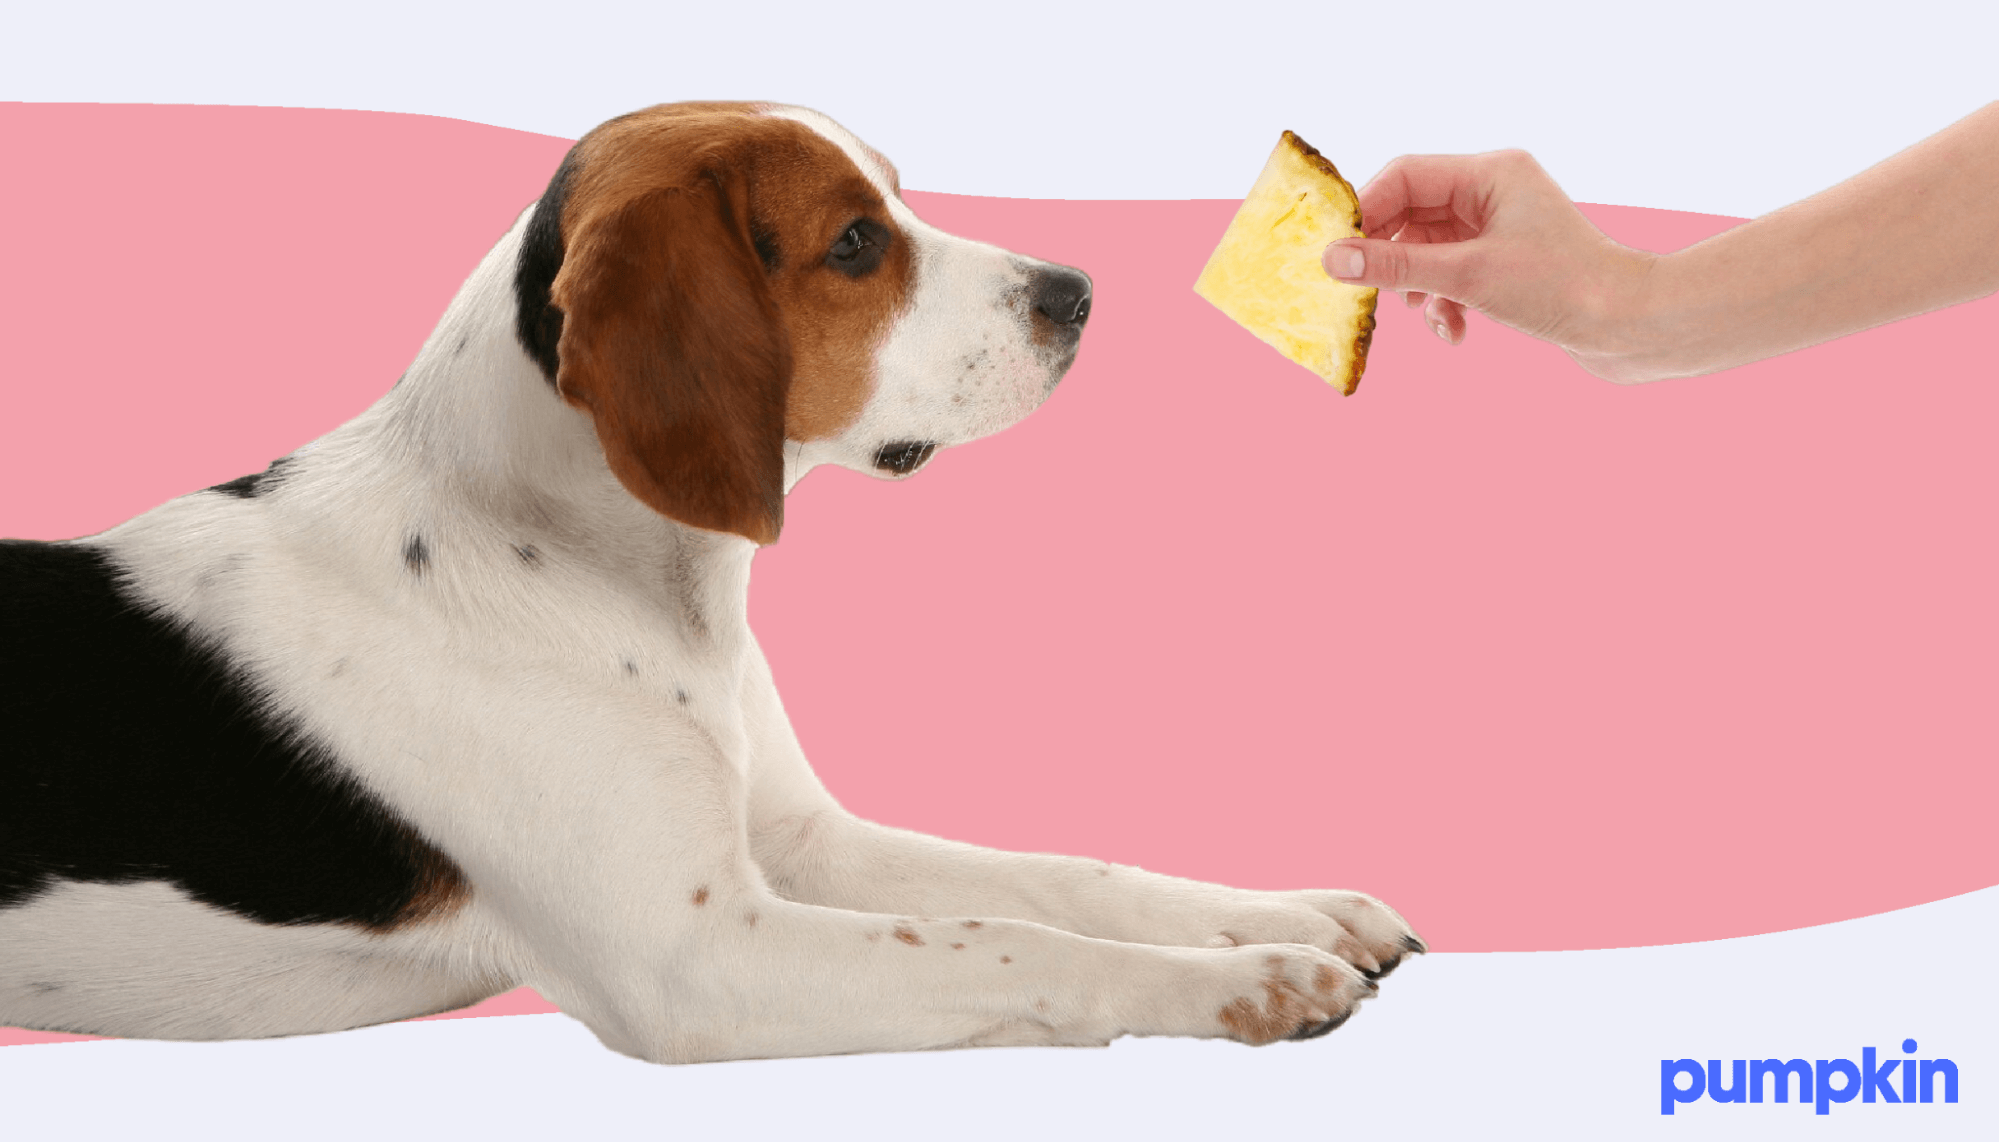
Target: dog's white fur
(647, 845)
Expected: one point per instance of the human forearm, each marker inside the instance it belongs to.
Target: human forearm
(1917, 232)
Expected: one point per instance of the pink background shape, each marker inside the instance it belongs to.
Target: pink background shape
(1544, 662)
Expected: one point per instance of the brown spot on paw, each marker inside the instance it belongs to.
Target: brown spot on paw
(701, 895)
(908, 936)
(1006, 960)
(975, 924)
(1285, 1011)
(957, 944)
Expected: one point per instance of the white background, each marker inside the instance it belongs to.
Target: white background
(1722, 108)
(1727, 108)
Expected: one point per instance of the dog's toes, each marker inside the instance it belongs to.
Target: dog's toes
(1302, 992)
(1371, 925)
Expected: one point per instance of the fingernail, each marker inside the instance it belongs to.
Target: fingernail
(1443, 331)
(1345, 262)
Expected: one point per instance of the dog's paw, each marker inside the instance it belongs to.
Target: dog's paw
(1355, 927)
(1294, 993)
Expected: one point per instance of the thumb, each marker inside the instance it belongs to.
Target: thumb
(1427, 268)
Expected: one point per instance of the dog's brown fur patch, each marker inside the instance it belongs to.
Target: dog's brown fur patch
(694, 353)
(441, 887)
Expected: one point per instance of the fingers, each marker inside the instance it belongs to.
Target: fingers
(1429, 276)
(1489, 232)
(1412, 267)
(1429, 190)
(1447, 319)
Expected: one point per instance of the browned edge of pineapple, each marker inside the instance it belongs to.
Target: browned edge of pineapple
(1365, 339)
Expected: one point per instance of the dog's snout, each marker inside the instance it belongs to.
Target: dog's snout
(1062, 295)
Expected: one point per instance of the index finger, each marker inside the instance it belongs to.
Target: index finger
(1425, 188)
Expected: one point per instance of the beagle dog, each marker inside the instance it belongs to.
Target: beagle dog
(461, 696)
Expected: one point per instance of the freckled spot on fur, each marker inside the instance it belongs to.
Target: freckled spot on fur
(1104, 872)
(975, 924)
(339, 669)
(463, 340)
(529, 554)
(957, 944)
(908, 936)
(1006, 960)
(44, 986)
(701, 895)
(416, 554)
(874, 936)
(680, 695)
(631, 668)
(750, 920)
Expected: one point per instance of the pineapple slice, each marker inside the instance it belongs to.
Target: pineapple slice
(1266, 272)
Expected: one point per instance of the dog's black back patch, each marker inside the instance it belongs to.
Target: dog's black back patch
(129, 751)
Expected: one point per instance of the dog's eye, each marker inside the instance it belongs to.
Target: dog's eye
(859, 248)
(849, 246)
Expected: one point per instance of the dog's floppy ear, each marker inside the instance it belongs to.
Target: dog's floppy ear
(672, 342)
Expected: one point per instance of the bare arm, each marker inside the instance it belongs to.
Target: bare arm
(1917, 232)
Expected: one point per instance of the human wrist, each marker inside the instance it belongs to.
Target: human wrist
(1630, 317)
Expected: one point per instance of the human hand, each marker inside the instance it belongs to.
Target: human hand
(1494, 233)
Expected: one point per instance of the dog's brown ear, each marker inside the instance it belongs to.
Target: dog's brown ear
(672, 341)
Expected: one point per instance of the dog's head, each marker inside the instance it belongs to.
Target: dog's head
(710, 281)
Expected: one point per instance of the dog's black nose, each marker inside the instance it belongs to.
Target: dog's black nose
(1061, 295)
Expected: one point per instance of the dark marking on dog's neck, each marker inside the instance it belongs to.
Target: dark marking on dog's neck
(256, 484)
(416, 556)
(537, 322)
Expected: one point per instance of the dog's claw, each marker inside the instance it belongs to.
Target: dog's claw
(1386, 968)
(1315, 1031)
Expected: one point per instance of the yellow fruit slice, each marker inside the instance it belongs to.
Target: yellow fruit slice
(1266, 272)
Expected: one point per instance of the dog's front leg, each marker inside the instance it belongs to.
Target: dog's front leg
(611, 867)
(812, 850)
(832, 858)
